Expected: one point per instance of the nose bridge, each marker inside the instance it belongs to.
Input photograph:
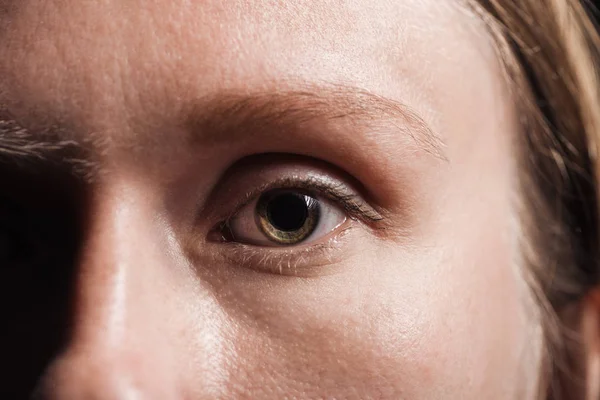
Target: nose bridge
(116, 263)
(115, 340)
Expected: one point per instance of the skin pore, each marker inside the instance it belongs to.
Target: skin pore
(175, 114)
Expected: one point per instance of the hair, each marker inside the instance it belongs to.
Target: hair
(550, 51)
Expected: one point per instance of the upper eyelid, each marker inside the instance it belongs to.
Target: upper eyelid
(247, 177)
(350, 200)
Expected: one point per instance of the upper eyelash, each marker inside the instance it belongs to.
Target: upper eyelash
(356, 207)
(352, 203)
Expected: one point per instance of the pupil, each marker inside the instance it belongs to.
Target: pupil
(287, 212)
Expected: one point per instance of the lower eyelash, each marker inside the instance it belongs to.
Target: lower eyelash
(302, 262)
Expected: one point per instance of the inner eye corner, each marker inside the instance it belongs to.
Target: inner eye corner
(220, 232)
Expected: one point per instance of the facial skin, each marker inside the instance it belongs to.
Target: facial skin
(173, 113)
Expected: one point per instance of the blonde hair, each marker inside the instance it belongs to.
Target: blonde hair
(550, 50)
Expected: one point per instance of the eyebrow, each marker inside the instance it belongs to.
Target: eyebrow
(18, 141)
(35, 150)
(227, 116)
(230, 116)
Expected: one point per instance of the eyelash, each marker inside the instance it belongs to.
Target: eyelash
(314, 260)
(341, 195)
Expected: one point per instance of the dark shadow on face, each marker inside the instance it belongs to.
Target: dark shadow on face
(38, 245)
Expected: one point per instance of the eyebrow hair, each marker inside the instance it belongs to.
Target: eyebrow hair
(18, 141)
(49, 147)
(228, 116)
(222, 118)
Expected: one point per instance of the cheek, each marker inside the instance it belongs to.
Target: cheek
(478, 333)
(445, 323)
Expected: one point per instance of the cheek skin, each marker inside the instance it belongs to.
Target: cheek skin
(405, 327)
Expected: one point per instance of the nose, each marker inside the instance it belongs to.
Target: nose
(118, 346)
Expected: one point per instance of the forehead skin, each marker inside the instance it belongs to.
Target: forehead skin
(138, 58)
(440, 317)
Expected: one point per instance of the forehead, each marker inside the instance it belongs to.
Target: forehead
(109, 63)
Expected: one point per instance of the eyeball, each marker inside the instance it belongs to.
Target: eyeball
(285, 217)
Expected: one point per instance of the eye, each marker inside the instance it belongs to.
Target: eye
(284, 217)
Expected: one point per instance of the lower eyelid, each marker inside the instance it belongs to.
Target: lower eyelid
(307, 261)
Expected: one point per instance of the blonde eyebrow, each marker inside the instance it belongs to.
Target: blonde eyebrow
(229, 115)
